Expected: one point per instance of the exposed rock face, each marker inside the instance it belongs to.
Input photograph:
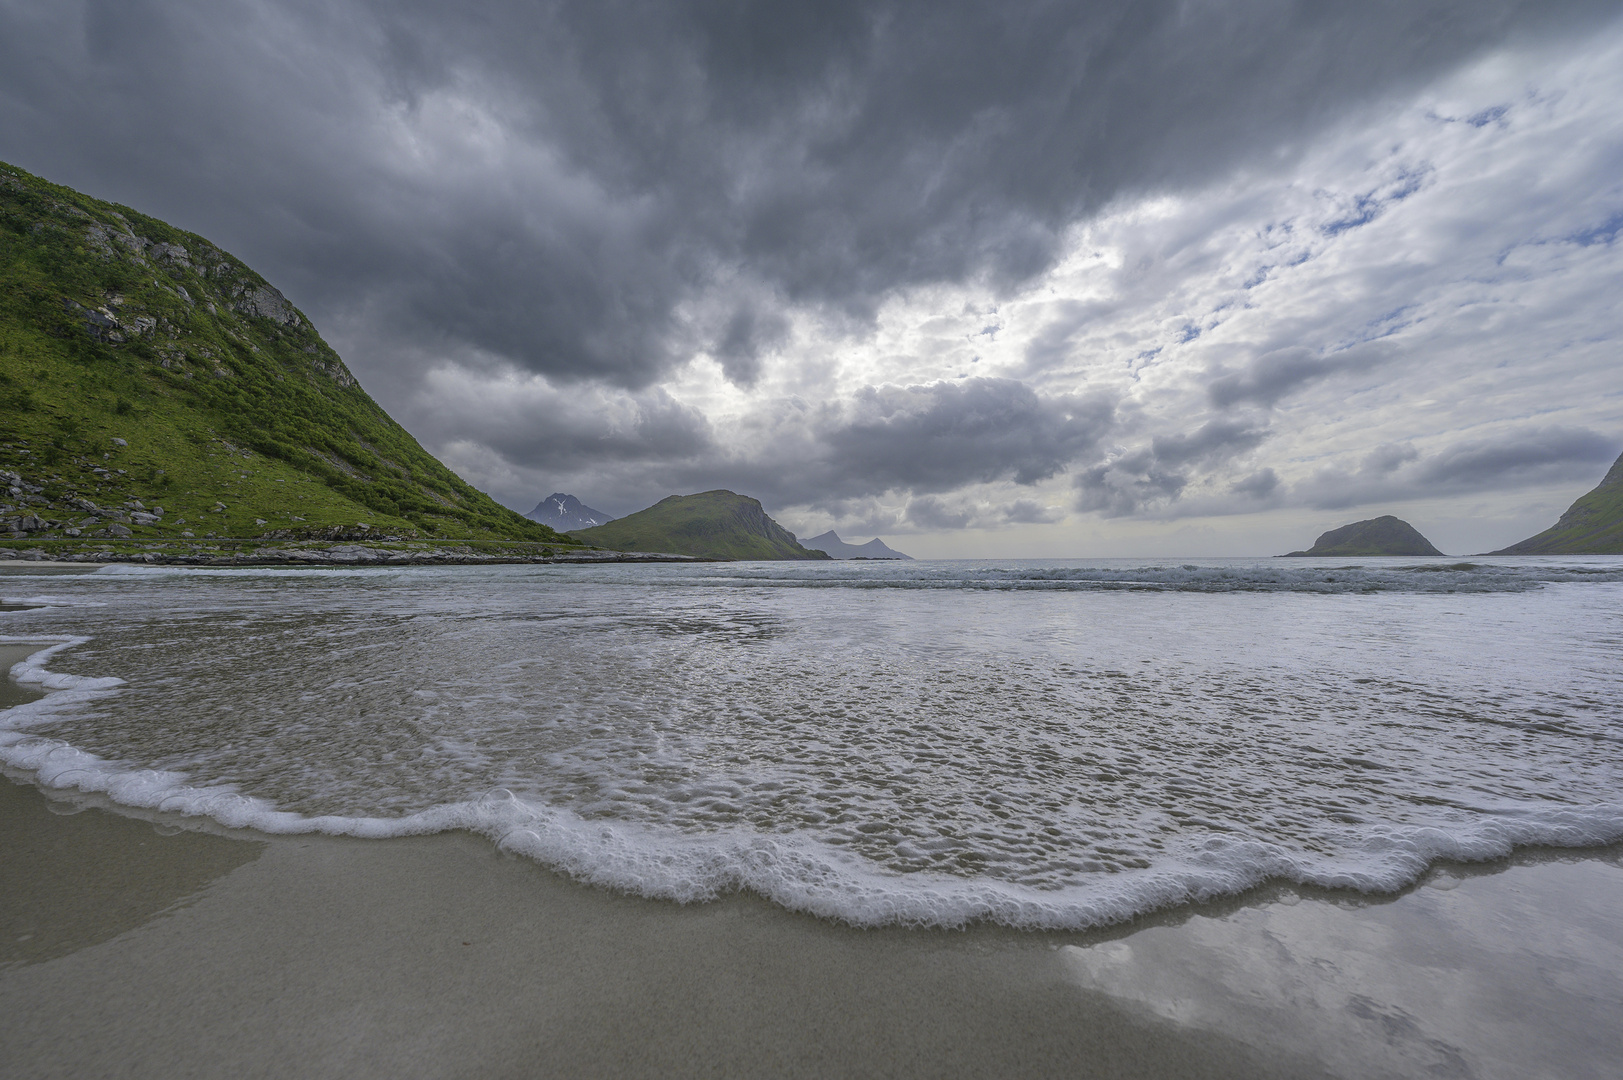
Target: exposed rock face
(567, 513)
(265, 302)
(836, 548)
(1591, 526)
(1377, 536)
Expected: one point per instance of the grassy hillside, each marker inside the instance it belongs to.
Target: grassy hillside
(1377, 536)
(1591, 526)
(143, 368)
(711, 525)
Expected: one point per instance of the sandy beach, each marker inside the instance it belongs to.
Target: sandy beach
(137, 947)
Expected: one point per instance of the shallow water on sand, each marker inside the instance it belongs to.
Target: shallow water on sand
(1043, 744)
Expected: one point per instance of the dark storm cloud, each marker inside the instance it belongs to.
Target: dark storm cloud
(558, 432)
(748, 334)
(544, 185)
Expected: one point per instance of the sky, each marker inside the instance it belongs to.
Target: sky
(1025, 279)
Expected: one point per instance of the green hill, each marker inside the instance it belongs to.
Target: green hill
(1377, 536)
(153, 385)
(711, 525)
(1591, 526)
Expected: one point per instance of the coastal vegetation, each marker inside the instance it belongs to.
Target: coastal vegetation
(710, 525)
(1593, 525)
(154, 386)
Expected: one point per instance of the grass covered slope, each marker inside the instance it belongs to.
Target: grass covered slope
(153, 385)
(711, 525)
(1377, 536)
(1591, 526)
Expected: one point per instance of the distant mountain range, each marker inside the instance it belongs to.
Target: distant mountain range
(566, 513)
(839, 549)
(1377, 536)
(1591, 526)
(710, 525)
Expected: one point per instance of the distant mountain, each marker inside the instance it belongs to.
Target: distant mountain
(154, 386)
(711, 525)
(1377, 536)
(565, 512)
(839, 549)
(1591, 526)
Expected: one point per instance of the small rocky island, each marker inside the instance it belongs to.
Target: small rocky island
(1377, 536)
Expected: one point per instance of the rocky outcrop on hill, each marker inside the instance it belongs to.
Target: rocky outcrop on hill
(27, 510)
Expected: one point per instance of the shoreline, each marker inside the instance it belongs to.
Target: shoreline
(295, 553)
(144, 945)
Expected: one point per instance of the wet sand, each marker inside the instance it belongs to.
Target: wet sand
(139, 945)
(138, 948)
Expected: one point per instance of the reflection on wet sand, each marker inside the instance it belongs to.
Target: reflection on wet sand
(64, 887)
(1510, 969)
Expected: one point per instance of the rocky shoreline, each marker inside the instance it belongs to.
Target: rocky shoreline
(333, 555)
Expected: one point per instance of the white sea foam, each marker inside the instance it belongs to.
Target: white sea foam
(1041, 760)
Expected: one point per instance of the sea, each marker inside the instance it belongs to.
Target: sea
(1041, 744)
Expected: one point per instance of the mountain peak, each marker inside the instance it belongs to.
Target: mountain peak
(831, 543)
(566, 513)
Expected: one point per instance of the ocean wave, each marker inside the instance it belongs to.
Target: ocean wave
(797, 871)
(1231, 576)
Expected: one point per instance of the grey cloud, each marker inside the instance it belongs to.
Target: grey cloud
(930, 513)
(907, 442)
(1387, 458)
(548, 183)
(1483, 463)
(1126, 486)
(1259, 485)
(562, 432)
(1153, 477)
(747, 334)
(1213, 439)
(1030, 512)
(1280, 372)
(1521, 458)
(944, 435)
